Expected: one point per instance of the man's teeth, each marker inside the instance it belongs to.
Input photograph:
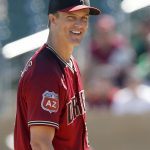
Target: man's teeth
(75, 32)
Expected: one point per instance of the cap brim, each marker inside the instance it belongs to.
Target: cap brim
(93, 10)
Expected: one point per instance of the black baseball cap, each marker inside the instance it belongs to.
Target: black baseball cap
(71, 5)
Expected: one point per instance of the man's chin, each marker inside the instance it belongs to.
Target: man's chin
(76, 42)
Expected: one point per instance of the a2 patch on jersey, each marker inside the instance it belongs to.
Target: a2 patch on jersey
(50, 101)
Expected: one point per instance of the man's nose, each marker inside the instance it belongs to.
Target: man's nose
(79, 22)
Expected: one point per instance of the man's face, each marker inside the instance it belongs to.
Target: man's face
(71, 26)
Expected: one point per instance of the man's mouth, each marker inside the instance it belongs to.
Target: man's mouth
(76, 32)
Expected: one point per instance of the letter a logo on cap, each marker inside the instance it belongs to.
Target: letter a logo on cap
(82, 2)
(50, 101)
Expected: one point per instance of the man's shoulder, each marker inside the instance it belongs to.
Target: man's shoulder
(44, 58)
(42, 63)
(44, 55)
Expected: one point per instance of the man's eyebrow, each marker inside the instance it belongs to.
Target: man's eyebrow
(71, 13)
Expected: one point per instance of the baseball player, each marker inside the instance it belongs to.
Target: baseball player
(50, 101)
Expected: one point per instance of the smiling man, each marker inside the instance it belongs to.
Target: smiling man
(51, 103)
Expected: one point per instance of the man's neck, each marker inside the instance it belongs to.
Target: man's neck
(63, 50)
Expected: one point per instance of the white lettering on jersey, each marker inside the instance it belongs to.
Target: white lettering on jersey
(51, 104)
(75, 107)
(29, 64)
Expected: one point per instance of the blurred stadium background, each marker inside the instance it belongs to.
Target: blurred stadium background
(114, 60)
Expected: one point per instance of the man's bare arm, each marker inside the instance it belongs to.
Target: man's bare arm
(42, 137)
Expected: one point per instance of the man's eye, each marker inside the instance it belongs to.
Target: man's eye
(85, 19)
(71, 18)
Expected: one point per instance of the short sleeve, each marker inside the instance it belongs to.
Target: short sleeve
(45, 99)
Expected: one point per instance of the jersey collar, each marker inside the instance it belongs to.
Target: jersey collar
(70, 65)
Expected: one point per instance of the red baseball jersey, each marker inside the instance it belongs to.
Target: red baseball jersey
(50, 93)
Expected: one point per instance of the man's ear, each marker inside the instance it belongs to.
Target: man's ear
(52, 19)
